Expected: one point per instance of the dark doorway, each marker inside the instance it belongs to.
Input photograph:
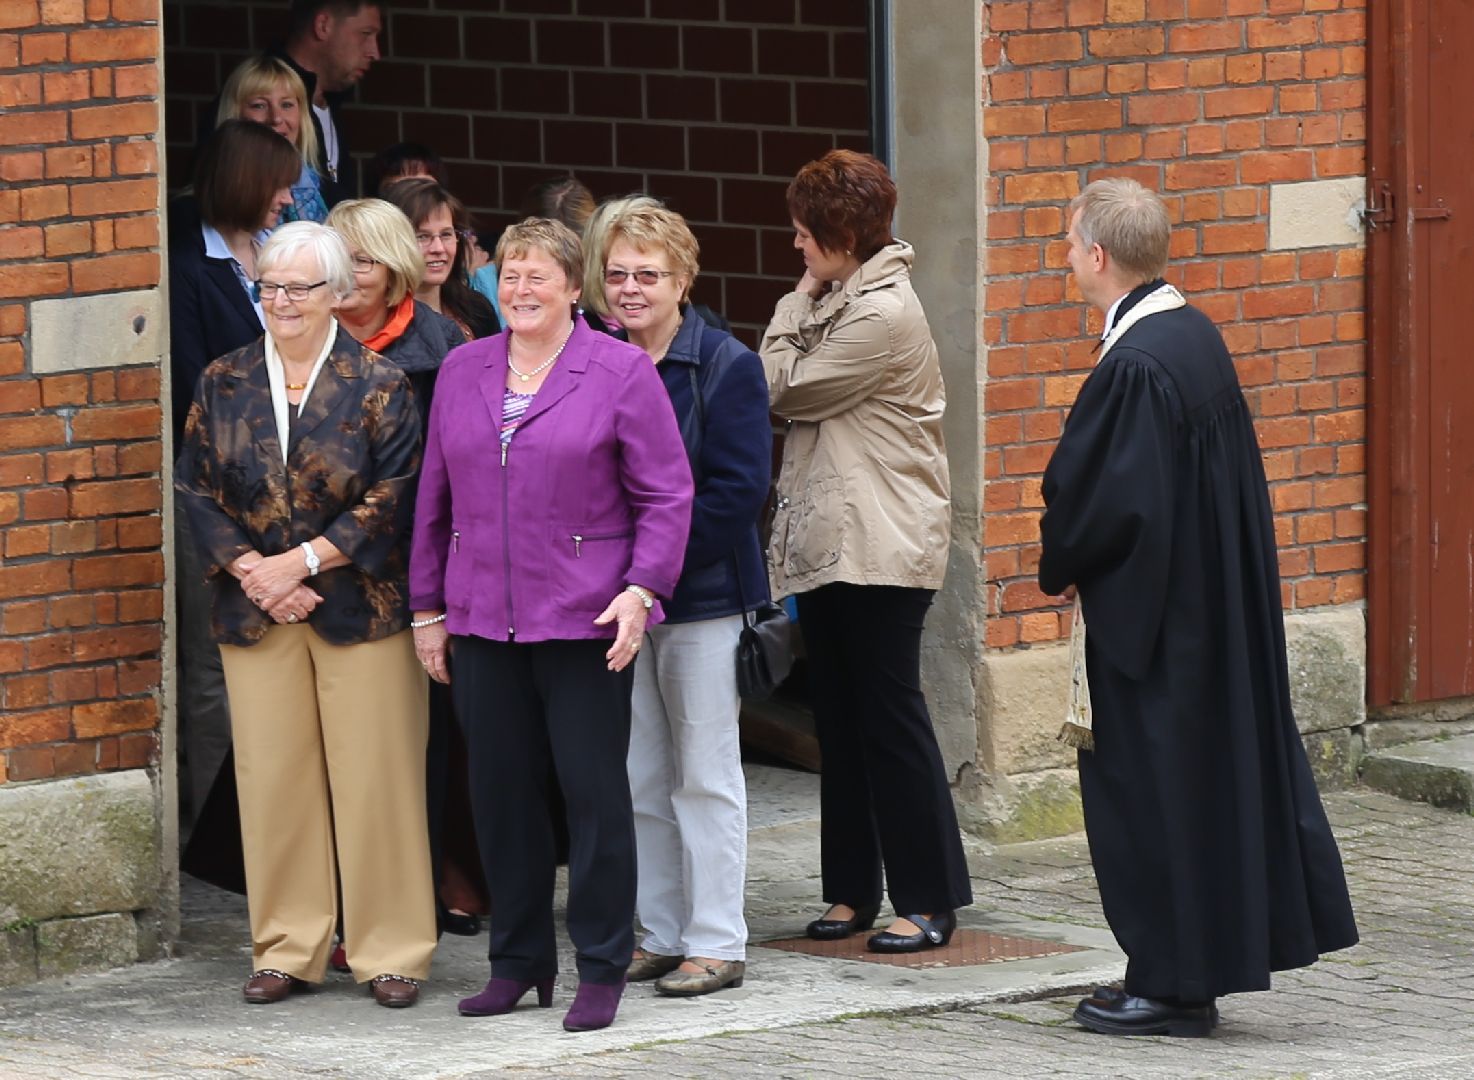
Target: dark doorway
(709, 104)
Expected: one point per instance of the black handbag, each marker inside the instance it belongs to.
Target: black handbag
(765, 647)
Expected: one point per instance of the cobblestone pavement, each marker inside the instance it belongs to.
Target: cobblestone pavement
(1400, 1005)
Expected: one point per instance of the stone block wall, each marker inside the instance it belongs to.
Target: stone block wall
(82, 588)
(710, 104)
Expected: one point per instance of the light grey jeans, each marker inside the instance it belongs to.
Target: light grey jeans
(690, 797)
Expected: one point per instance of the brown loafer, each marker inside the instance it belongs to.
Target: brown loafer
(268, 986)
(394, 991)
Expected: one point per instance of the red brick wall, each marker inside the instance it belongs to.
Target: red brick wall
(713, 114)
(81, 597)
(1209, 102)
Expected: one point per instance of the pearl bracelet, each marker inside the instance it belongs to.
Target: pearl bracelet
(420, 624)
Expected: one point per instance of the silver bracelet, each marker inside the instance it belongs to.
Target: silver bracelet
(420, 624)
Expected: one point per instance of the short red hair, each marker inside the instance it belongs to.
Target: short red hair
(846, 201)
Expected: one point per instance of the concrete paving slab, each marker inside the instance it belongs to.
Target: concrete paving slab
(186, 1014)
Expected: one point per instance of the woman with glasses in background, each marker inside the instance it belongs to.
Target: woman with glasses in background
(384, 315)
(297, 473)
(442, 228)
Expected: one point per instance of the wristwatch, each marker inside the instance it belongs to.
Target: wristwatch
(646, 596)
(310, 557)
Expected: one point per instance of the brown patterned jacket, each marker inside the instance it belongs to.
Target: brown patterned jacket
(349, 476)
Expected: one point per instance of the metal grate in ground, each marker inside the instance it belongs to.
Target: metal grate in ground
(967, 947)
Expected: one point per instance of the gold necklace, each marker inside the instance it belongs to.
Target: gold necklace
(296, 386)
(658, 357)
(545, 364)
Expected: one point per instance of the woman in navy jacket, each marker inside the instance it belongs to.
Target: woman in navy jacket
(242, 183)
(685, 761)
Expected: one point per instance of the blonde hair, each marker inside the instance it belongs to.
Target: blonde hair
(551, 237)
(1129, 221)
(378, 229)
(258, 76)
(596, 244)
(655, 230)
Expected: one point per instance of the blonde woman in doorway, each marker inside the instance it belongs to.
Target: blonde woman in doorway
(267, 90)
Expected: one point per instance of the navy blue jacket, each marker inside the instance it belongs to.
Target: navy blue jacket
(209, 313)
(729, 440)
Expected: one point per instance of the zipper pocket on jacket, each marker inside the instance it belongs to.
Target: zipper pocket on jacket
(579, 539)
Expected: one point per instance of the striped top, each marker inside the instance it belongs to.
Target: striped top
(514, 407)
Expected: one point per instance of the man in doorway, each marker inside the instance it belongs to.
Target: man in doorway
(1215, 862)
(332, 44)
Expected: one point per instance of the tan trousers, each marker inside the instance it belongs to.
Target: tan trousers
(330, 765)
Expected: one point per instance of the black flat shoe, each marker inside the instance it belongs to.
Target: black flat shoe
(838, 929)
(1107, 994)
(460, 923)
(934, 933)
(1127, 1015)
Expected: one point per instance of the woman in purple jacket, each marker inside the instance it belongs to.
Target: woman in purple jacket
(553, 509)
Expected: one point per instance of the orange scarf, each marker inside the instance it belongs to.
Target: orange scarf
(391, 330)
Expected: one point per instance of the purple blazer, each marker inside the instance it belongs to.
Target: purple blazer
(593, 493)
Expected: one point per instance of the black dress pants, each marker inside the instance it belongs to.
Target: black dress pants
(883, 789)
(539, 717)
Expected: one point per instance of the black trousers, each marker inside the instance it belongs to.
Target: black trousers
(539, 717)
(883, 790)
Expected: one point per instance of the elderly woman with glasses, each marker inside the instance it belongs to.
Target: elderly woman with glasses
(297, 472)
(552, 512)
(443, 231)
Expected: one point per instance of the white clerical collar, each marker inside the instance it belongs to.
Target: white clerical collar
(1111, 315)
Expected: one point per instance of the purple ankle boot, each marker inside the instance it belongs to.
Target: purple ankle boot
(594, 1006)
(502, 995)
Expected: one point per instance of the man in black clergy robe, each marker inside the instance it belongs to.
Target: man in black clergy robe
(1215, 862)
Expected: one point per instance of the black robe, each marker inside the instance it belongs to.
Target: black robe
(1215, 862)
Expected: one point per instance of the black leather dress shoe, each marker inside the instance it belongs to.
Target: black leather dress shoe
(1127, 1015)
(934, 933)
(838, 929)
(1106, 994)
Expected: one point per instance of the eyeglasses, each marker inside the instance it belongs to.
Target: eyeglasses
(447, 237)
(644, 277)
(267, 290)
(362, 264)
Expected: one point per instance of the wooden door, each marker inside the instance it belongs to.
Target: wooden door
(1421, 322)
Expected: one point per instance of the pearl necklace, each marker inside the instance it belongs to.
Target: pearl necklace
(545, 364)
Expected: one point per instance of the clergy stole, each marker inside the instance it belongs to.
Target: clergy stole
(1078, 729)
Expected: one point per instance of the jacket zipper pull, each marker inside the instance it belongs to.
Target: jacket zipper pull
(455, 541)
(504, 455)
(577, 546)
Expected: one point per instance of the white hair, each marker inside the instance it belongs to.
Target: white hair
(333, 260)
